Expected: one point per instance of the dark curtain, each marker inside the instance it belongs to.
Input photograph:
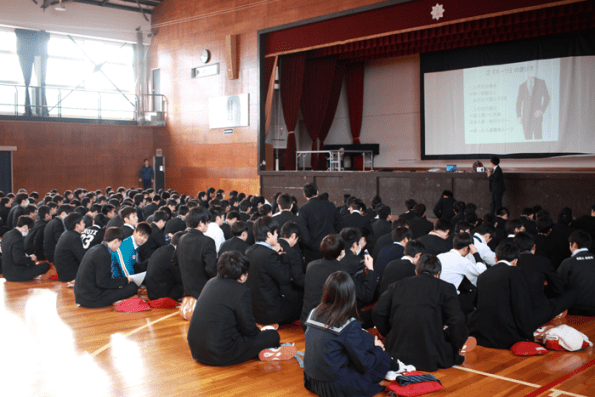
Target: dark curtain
(318, 84)
(354, 83)
(269, 69)
(291, 81)
(29, 44)
(331, 109)
(42, 48)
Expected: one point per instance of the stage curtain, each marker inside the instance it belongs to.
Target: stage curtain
(271, 64)
(291, 81)
(331, 109)
(354, 84)
(318, 85)
(42, 51)
(26, 51)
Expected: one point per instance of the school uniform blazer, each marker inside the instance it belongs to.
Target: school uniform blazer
(360, 222)
(268, 272)
(14, 260)
(223, 324)
(94, 277)
(412, 314)
(396, 270)
(539, 270)
(155, 241)
(68, 256)
(286, 216)
(420, 226)
(444, 208)
(578, 275)
(435, 245)
(381, 227)
(233, 244)
(321, 218)
(197, 257)
(34, 240)
(503, 314)
(296, 263)
(13, 216)
(149, 209)
(174, 225)
(316, 274)
(51, 235)
(162, 276)
(116, 221)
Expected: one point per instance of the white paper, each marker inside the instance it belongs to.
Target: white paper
(139, 278)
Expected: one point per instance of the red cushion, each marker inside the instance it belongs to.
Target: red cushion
(133, 305)
(528, 349)
(555, 345)
(163, 303)
(414, 389)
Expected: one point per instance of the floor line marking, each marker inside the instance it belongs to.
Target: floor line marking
(569, 375)
(134, 331)
(513, 380)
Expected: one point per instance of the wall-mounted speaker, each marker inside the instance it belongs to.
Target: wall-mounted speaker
(231, 49)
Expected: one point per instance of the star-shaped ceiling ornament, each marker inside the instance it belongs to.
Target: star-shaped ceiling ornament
(437, 11)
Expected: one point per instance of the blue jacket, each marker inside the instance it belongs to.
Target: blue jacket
(146, 173)
(127, 253)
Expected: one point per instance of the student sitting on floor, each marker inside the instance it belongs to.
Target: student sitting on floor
(126, 256)
(223, 330)
(16, 265)
(341, 358)
(163, 278)
(94, 286)
(69, 250)
(412, 315)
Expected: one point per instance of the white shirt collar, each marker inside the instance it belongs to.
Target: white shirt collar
(356, 212)
(407, 258)
(579, 250)
(503, 261)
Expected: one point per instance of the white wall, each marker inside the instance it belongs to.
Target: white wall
(79, 19)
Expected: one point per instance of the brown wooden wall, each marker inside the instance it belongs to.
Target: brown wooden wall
(70, 155)
(553, 191)
(197, 157)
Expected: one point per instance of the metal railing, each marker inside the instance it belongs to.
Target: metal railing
(65, 103)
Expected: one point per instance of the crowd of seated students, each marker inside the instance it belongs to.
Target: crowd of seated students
(101, 240)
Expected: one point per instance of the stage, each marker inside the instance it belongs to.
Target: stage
(553, 190)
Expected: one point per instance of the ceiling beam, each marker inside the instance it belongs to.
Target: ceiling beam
(110, 5)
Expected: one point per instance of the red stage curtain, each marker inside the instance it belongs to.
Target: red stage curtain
(318, 84)
(291, 81)
(354, 81)
(331, 109)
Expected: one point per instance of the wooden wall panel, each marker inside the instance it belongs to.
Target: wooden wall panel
(552, 191)
(70, 155)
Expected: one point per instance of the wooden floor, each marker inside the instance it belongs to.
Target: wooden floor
(51, 347)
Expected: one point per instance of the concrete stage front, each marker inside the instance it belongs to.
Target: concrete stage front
(552, 190)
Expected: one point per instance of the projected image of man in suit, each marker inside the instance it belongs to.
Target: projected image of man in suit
(532, 101)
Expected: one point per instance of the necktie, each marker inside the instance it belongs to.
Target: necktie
(409, 379)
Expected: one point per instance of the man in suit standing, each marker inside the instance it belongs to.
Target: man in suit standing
(497, 187)
(321, 218)
(532, 101)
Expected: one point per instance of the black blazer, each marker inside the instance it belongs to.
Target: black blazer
(34, 240)
(14, 260)
(68, 256)
(316, 274)
(412, 314)
(51, 235)
(94, 277)
(233, 244)
(435, 245)
(197, 257)
(578, 276)
(174, 225)
(162, 276)
(382, 242)
(503, 314)
(116, 221)
(155, 241)
(396, 270)
(321, 218)
(286, 216)
(149, 209)
(420, 226)
(296, 263)
(444, 208)
(268, 273)
(539, 270)
(497, 181)
(13, 216)
(360, 222)
(381, 227)
(223, 326)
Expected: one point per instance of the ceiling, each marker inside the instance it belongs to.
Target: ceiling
(142, 6)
